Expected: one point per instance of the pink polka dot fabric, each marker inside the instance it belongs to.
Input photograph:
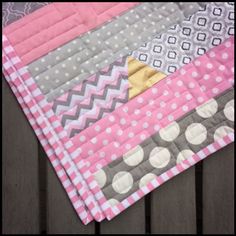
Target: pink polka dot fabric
(79, 161)
(127, 126)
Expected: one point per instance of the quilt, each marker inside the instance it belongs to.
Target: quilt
(123, 96)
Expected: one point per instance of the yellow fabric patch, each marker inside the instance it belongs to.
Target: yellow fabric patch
(141, 77)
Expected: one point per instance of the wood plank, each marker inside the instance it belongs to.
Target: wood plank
(173, 205)
(131, 221)
(42, 189)
(61, 216)
(20, 169)
(218, 192)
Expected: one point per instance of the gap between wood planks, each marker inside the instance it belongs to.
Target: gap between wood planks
(199, 196)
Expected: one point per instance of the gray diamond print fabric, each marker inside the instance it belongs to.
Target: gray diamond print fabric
(170, 145)
(182, 43)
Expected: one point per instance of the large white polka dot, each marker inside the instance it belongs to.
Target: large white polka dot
(184, 155)
(122, 182)
(170, 132)
(159, 157)
(207, 109)
(113, 202)
(146, 179)
(134, 156)
(222, 131)
(196, 133)
(100, 177)
(229, 110)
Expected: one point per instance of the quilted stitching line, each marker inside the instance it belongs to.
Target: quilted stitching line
(55, 7)
(47, 28)
(26, 23)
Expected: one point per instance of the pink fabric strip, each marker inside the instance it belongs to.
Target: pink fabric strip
(165, 102)
(58, 23)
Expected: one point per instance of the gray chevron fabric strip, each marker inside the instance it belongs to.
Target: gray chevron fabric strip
(92, 99)
(118, 66)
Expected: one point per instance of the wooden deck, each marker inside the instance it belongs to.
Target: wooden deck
(200, 200)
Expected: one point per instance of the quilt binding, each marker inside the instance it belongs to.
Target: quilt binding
(110, 212)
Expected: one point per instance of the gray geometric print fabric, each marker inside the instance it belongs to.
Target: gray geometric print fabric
(203, 30)
(69, 65)
(12, 11)
(170, 145)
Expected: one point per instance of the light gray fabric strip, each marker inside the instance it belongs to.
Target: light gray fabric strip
(70, 64)
(159, 153)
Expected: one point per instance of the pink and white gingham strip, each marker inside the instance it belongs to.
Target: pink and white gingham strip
(51, 128)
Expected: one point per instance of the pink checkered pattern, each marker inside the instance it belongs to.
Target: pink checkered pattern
(49, 125)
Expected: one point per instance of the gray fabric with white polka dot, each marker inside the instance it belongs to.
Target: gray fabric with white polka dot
(169, 146)
(69, 65)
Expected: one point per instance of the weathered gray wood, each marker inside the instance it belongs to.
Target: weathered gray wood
(131, 221)
(218, 192)
(42, 172)
(173, 205)
(61, 216)
(20, 165)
